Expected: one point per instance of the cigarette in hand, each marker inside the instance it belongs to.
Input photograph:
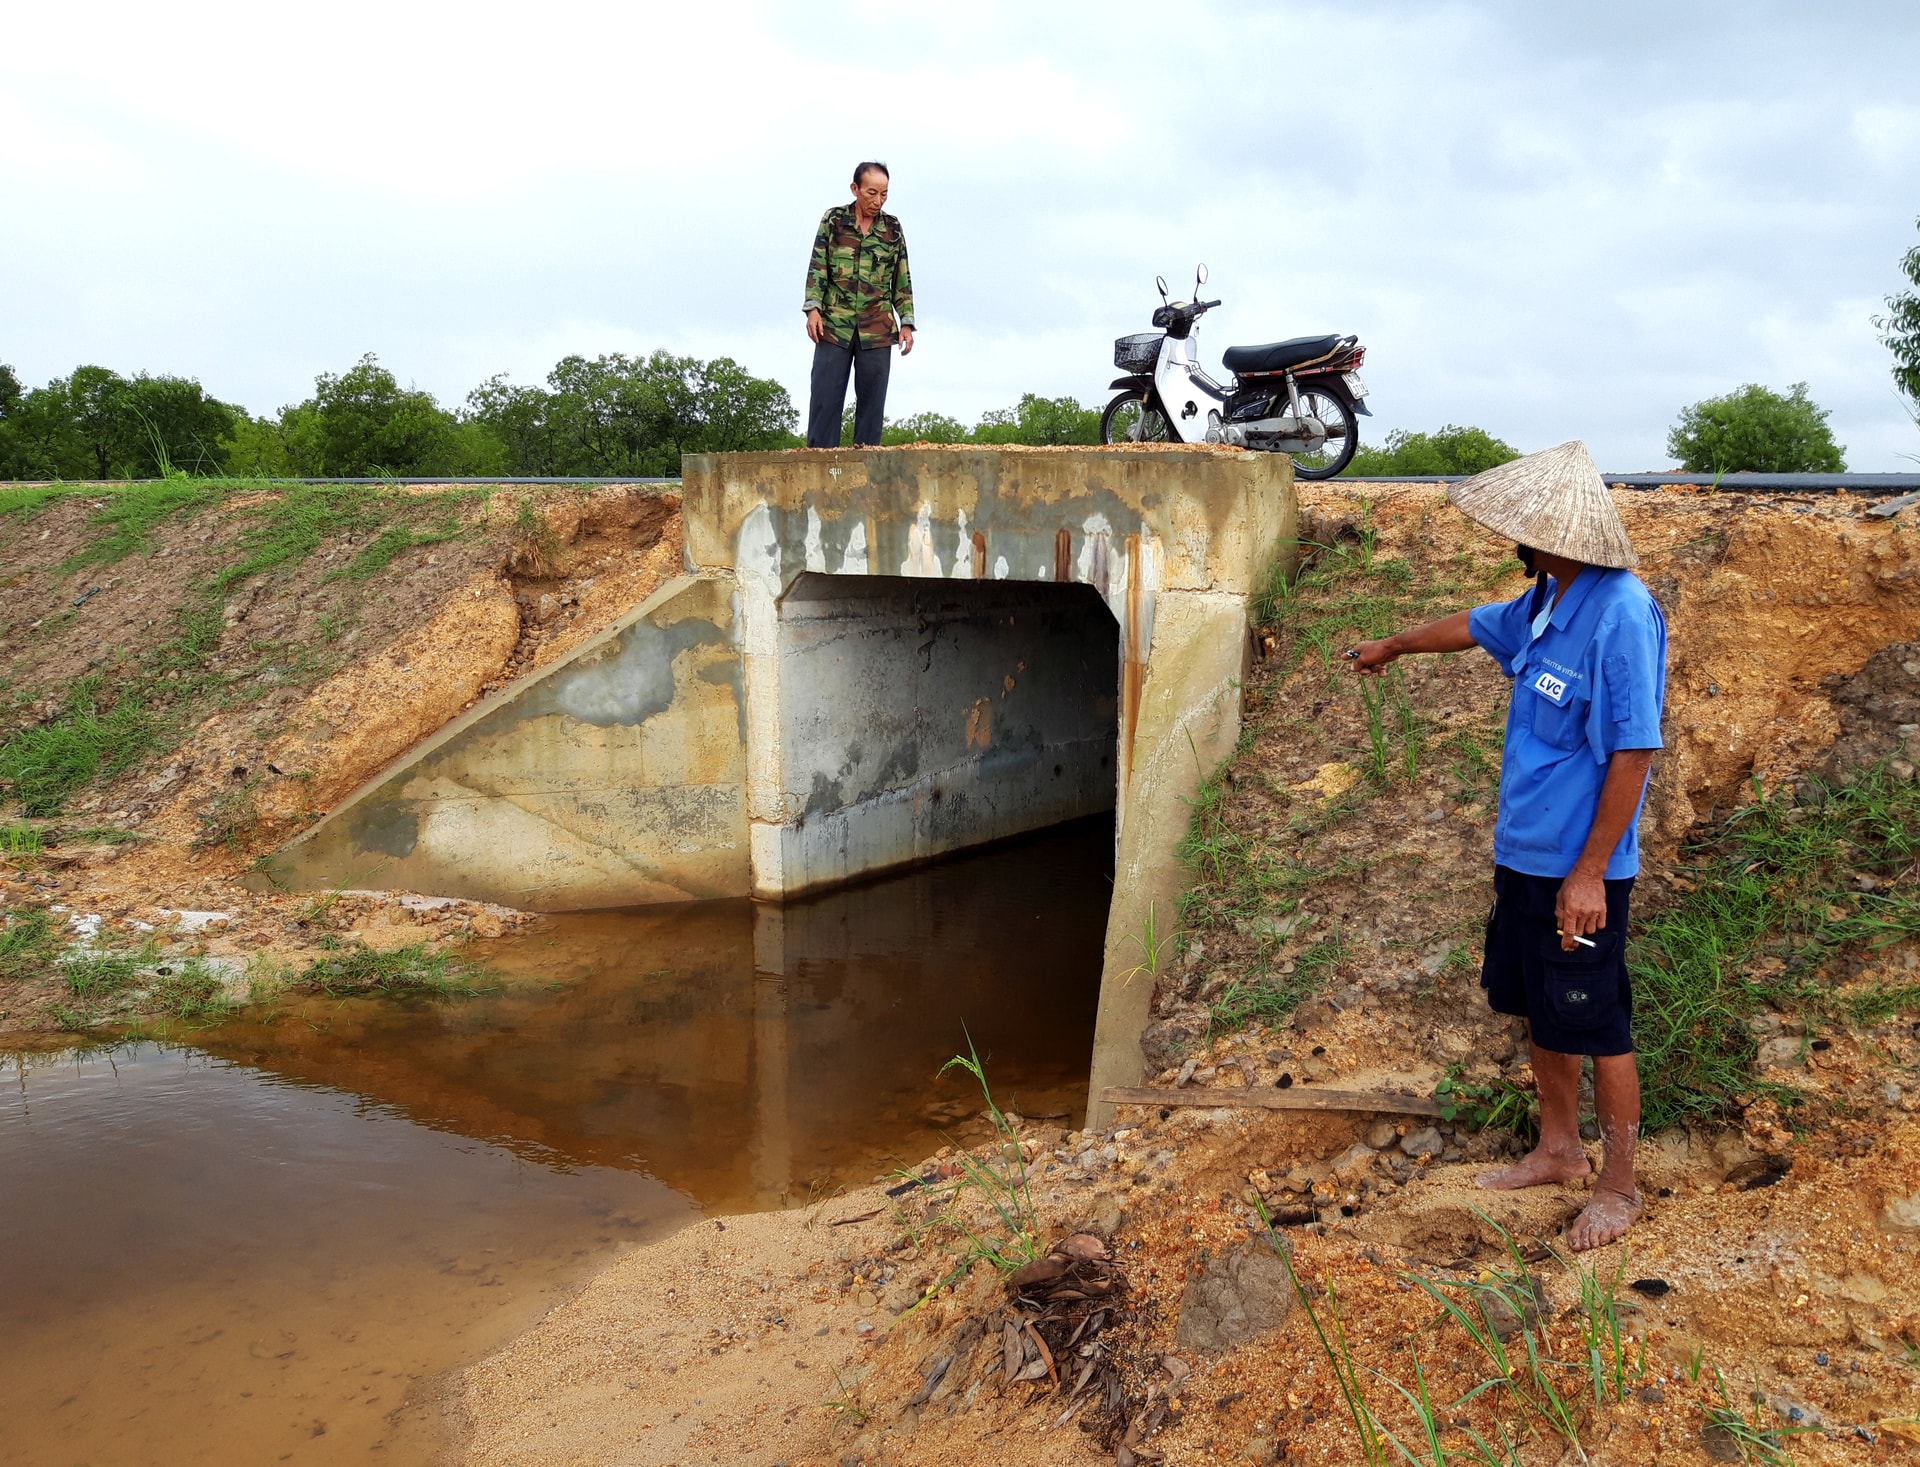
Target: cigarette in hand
(1583, 941)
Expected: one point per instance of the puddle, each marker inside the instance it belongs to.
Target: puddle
(266, 1245)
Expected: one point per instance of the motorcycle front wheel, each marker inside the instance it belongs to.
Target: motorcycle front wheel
(1343, 434)
(1128, 419)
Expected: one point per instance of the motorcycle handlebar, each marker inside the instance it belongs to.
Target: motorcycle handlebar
(1208, 305)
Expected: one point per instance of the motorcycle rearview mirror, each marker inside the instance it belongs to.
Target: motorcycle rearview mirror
(1161, 281)
(1199, 278)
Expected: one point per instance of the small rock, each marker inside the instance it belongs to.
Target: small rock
(1238, 1293)
(1782, 1053)
(1424, 1142)
(1507, 1321)
(487, 924)
(1796, 1413)
(1862, 1288)
(1892, 1093)
(865, 1299)
(1381, 1135)
(1720, 1444)
(1650, 1396)
(1652, 1288)
(1820, 1357)
(1353, 1163)
(1901, 1214)
(1186, 1072)
(1165, 1041)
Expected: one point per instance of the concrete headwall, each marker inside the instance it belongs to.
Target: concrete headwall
(919, 717)
(1146, 529)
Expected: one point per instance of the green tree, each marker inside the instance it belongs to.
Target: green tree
(12, 398)
(255, 448)
(1040, 422)
(169, 424)
(1756, 431)
(96, 424)
(1900, 327)
(363, 422)
(921, 428)
(1451, 450)
(618, 415)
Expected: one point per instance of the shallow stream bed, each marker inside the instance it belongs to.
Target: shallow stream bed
(267, 1241)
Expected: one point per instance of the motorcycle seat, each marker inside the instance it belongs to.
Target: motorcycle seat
(1277, 355)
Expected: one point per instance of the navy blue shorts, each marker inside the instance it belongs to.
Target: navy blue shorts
(1577, 1002)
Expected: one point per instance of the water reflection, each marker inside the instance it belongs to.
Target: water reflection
(746, 1054)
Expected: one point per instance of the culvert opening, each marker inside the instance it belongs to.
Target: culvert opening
(919, 718)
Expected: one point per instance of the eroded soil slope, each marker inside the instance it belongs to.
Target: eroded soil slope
(192, 675)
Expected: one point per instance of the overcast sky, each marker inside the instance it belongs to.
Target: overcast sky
(1550, 221)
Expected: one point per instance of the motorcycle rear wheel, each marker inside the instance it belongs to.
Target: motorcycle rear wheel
(1128, 419)
(1343, 434)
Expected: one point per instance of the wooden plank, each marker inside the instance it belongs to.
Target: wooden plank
(1267, 1097)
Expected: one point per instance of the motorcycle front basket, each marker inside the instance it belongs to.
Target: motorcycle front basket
(1137, 353)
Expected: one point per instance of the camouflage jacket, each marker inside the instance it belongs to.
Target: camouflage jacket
(857, 281)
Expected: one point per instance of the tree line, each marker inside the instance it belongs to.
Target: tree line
(611, 416)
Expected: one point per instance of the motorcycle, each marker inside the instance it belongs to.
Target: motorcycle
(1301, 397)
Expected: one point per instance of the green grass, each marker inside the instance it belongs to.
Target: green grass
(1271, 996)
(44, 765)
(393, 541)
(189, 991)
(1338, 594)
(100, 835)
(127, 520)
(28, 500)
(19, 840)
(94, 975)
(28, 944)
(405, 973)
(1778, 880)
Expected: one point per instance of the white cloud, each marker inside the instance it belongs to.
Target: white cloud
(1549, 223)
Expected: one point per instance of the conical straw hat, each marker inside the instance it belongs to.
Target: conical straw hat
(1554, 501)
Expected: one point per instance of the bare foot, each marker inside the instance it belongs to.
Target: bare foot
(1606, 1218)
(1538, 1168)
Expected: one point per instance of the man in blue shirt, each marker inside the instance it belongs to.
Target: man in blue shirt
(1586, 648)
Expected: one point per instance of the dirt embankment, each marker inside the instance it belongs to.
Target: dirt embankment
(264, 654)
(1331, 940)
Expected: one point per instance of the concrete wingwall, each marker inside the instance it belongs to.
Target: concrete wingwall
(876, 656)
(614, 778)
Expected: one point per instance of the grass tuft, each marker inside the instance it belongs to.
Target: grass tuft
(45, 764)
(130, 515)
(1777, 898)
(28, 944)
(405, 973)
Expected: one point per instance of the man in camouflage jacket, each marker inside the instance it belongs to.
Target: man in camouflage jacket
(856, 282)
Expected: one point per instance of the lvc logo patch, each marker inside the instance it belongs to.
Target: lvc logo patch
(1549, 686)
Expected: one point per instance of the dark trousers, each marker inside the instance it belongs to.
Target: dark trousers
(832, 362)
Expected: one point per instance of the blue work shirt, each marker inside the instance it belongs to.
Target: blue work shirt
(1591, 683)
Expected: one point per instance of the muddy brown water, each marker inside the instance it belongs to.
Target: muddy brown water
(267, 1242)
